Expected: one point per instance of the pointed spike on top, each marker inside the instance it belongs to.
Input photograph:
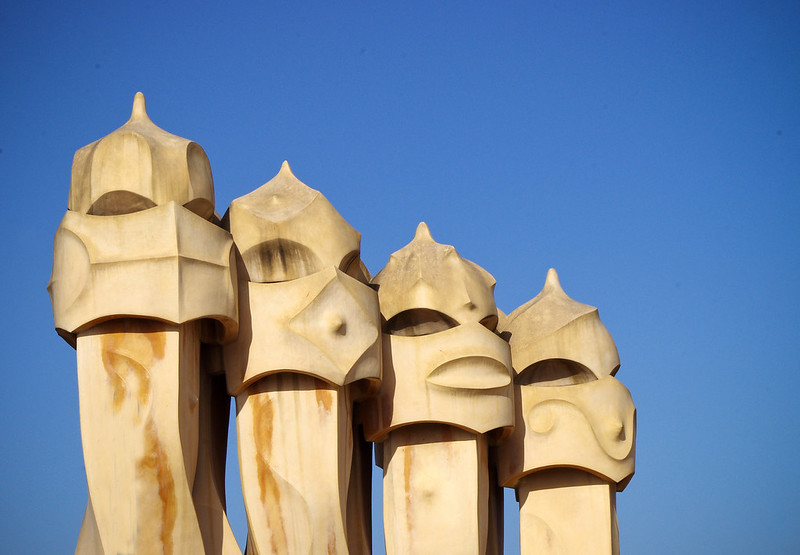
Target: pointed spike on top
(552, 283)
(286, 172)
(423, 233)
(139, 109)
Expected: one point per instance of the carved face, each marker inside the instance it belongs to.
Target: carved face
(142, 264)
(565, 417)
(460, 376)
(325, 325)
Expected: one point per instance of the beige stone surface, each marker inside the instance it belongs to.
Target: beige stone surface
(590, 426)
(172, 311)
(285, 230)
(326, 324)
(573, 446)
(459, 377)
(495, 540)
(566, 511)
(165, 263)
(141, 275)
(428, 276)
(442, 360)
(552, 326)
(139, 166)
(89, 540)
(295, 456)
(208, 489)
(565, 415)
(436, 491)
(139, 392)
(359, 490)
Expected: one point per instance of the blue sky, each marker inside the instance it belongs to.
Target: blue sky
(650, 152)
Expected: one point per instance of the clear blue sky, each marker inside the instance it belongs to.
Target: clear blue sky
(649, 151)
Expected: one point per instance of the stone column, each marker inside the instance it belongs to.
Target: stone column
(446, 385)
(573, 446)
(141, 276)
(309, 346)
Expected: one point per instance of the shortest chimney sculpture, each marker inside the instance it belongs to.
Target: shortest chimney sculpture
(573, 443)
(174, 311)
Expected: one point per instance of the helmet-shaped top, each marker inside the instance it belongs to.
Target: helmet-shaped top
(554, 326)
(430, 276)
(287, 230)
(139, 166)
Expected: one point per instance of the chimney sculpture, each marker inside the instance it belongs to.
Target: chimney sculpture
(141, 276)
(308, 346)
(573, 445)
(446, 385)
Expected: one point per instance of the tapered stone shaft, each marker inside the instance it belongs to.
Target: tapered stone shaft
(297, 476)
(567, 511)
(436, 488)
(139, 425)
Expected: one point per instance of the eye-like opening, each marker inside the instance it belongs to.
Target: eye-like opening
(116, 203)
(279, 260)
(419, 321)
(490, 322)
(555, 372)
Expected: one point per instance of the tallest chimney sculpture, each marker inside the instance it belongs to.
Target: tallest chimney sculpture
(142, 276)
(173, 312)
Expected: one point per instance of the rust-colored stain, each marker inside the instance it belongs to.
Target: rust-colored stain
(120, 370)
(128, 355)
(324, 398)
(129, 351)
(408, 459)
(263, 415)
(262, 432)
(154, 467)
(331, 541)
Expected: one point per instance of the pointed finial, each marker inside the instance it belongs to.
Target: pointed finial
(286, 172)
(552, 282)
(139, 111)
(423, 233)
